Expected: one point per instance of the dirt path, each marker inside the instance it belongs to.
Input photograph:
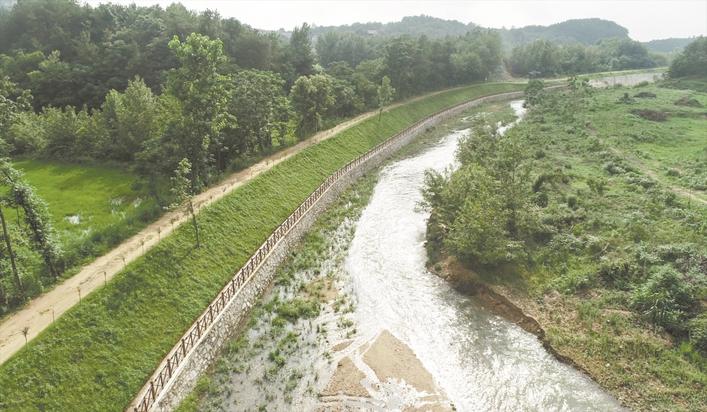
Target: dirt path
(41, 311)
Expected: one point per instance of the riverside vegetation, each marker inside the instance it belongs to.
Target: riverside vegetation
(592, 215)
(86, 360)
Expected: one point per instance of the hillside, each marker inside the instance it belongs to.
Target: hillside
(584, 31)
(670, 45)
(410, 25)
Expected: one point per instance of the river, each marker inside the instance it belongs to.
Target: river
(482, 362)
(391, 335)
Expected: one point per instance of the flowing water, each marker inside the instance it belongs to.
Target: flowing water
(376, 265)
(480, 361)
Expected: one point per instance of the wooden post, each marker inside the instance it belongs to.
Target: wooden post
(152, 390)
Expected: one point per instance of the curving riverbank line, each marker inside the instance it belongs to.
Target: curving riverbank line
(177, 373)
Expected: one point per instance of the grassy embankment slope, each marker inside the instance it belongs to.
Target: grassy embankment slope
(98, 355)
(627, 259)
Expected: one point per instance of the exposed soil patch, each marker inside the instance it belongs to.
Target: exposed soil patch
(645, 95)
(391, 359)
(346, 381)
(652, 115)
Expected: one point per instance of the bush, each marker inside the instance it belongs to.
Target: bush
(665, 299)
(687, 101)
(697, 328)
(618, 272)
(572, 201)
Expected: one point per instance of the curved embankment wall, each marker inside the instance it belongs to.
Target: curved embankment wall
(177, 374)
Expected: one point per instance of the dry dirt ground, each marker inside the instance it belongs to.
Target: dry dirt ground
(41, 311)
(392, 371)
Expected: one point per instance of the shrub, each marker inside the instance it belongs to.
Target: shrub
(614, 169)
(572, 201)
(688, 101)
(625, 99)
(618, 272)
(697, 328)
(665, 299)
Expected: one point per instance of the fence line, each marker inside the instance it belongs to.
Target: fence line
(164, 372)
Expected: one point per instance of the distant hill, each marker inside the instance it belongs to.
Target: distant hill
(670, 45)
(432, 27)
(584, 31)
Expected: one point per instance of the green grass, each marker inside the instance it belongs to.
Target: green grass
(100, 196)
(92, 209)
(98, 355)
(696, 83)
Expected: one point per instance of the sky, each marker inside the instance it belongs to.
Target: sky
(645, 20)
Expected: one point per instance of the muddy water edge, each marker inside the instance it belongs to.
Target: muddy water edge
(309, 346)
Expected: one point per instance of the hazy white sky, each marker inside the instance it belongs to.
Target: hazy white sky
(645, 20)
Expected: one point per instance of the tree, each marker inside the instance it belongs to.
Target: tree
(35, 214)
(300, 51)
(12, 102)
(386, 92)
(10, 254)
(692, 61)
(258, 102)
(202, 93)
(311, 97)
(130, 118)
(183, 193)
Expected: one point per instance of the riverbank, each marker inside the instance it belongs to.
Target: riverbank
(611, 275)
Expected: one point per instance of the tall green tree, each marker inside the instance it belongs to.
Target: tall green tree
(311, 97)
(259, 104)
(131, 118)
(202, 93)
(692, 61)
(183, 193)
(301, 53)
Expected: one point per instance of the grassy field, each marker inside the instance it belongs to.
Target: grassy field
(615, 218)
(98, 355)
(83, 199)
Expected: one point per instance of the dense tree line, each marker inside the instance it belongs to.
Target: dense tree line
(180, 98)
(545, 58)
(692, 61)
(109, 82)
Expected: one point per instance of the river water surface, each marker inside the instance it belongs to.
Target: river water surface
(480, 361)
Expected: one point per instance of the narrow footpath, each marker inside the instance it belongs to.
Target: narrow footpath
(41, 311)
